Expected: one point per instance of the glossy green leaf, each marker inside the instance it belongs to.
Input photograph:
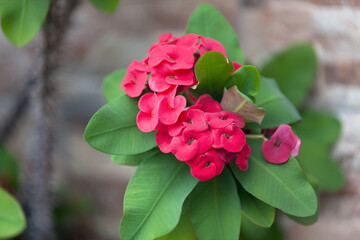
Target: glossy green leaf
(251, 231)
(12, 219)
(22, 19)
(318, 132)
(282, 186)
(279, 109)
(9, 169)
(306, 220)
(255, 210)
(154, 197)
(212, 71)
(235, 101)
(113, 129)
(183, 231)
(247, 80)
(136, 159)
(209, 22)
(111, 85)
(294, 69)
(107, 6)
(215, 208)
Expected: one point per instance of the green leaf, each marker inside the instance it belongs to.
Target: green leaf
(113, 129)
(278, 108)
(183, 231)
(251, 231)
(107, 6)
(282, 186)
(215, 208)
(255, 210)
(318, 131)
(12, 219)
(212, 71)
(247, 80)
(154, 197)
(22, 19)
(136, 159)
(209, 22)
(111, 85)
(235, 101)
(9, 169)
(306, 220)
(294, 69)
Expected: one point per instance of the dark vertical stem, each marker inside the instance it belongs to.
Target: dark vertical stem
(37, 186)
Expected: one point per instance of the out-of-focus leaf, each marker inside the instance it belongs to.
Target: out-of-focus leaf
(136, 159)
(111, 85)
(183, 231)
(107, 6)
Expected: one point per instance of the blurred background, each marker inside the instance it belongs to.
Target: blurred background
(90, 186)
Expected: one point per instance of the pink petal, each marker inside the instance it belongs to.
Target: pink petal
(163, 139)
(169, 94)
(207, 165)
(181, 77)
(236, 66)
(204, 171)
(195, 120)
(134, 82)
(184, 149)
(146, 122)
(233, 139)
(285, 135)
(216, 120)
(208, 104)
(275, 154)
(178, 57)
(169, 115)
(242, 158)
(296, 149)
(225, 156)
(204, 139)
(208, 44)
(177, 128)
(148, 103)
(189, 41)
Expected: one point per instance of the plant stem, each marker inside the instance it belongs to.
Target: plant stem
(240, 106)
(256, 136)
(37, 185)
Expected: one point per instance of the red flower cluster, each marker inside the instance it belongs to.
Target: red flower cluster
(206, 138)
(203, 135)
(281, 145)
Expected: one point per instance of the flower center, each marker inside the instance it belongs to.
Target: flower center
(226, 136)
(277, 143)
(171, 76)
(207, 164)
(190, 141)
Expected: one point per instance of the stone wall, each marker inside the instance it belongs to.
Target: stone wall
(99, 43)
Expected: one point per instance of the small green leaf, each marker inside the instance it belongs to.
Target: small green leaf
(318, 131)
(183, 231)
(209, 22)
(154, 197)
(212, 71)
(12, 219)
(111, 85)
(107, 6)
(294, 69)
(282, 186)
(113, 129)
(215, 208)
(235, 101)
(247, 80)
(9, 169)
(279, 109)
(255, 210)
(22, 19)
(136, 159)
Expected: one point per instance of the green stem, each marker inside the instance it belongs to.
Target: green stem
(256, 136)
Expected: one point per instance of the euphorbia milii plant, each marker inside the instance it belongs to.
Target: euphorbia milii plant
(197, 121)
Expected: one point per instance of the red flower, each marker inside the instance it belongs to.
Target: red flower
(231, 138)
(169, 113)
(189, 41)
(208, 44)
(279, 147)
(224, 118)
(147, 118)
(164, 39)
(242, 158)
(188, 144)
(206, 166)
(178, 57)
(135, 79)
(163, 139)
